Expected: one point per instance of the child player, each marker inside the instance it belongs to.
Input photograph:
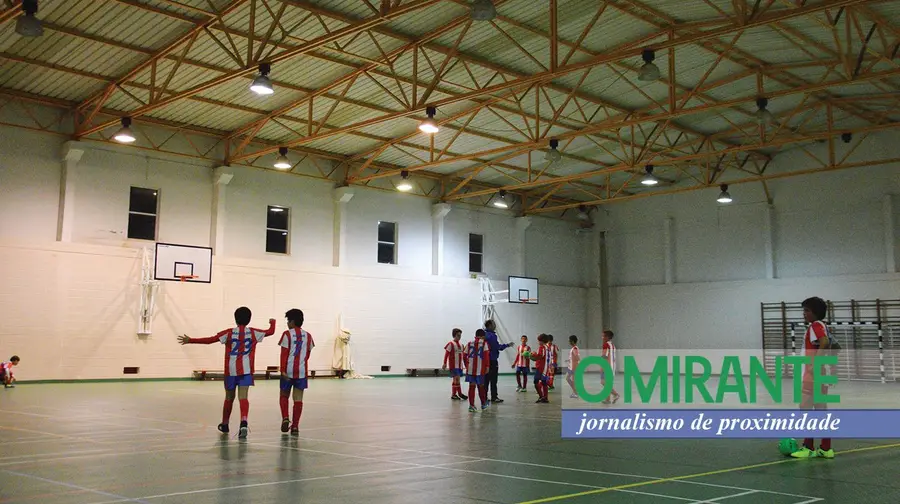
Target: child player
(453, 359)
(296, 346)
(609, 353)
(240, 352)
(571, 364)
(540, 368)
(522, 365)
(477, 356)
(815, 341)
(6, 374)
(553, 361)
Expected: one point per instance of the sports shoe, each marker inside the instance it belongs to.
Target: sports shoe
(223, 428)
(242, 433)
(573, 396)
(486, 405)
(472, 409)
(455, 397)
(463, 396)
(295, 431)
(804, 452)
(285, 424)
(829, 454)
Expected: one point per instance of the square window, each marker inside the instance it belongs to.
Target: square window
(386, 253)
(143, 200)
(276, 241)
(277, 218)
(475, 263)
(476, 243)
(387, 232)
(141, 227)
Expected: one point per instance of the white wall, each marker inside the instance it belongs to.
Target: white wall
(71, 307)
(828, 240)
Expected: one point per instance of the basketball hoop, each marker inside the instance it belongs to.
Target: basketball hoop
(185, 278)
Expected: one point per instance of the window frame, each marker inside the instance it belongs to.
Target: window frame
(285, 232)
(393, 243)
(474, 253)
(155, 215)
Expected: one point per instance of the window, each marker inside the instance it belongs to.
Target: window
(476, 253)
(143, 207)
(387, 242)
(277, 229)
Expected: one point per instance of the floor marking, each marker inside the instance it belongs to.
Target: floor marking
(160, 449)
(121, 498)
(699, 475)
(717, 499)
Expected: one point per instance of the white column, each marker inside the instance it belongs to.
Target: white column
(769, 239)
(71, 155)
(341, 196)
(221, 178)
(669, 250)
(888, 209)
(438, 212)
(522, 224)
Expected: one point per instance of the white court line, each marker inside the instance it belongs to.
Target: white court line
(75, 419)
(717, 499)
(817, 499)
(77, 487)
(159, 449)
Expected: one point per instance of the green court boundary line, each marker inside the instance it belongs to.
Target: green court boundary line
(700, 475)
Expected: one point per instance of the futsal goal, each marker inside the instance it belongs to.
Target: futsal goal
(868, 332)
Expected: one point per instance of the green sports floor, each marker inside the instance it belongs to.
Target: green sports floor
(398, 440)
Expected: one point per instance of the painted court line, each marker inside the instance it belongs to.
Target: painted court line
(121, 498)
(701, 475)
(719, 499)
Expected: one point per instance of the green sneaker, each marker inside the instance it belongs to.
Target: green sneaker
(804, 452)
(829, 454)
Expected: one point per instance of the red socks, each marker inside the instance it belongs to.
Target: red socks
(245, 409)
(482, 394)
(226, 410)
(298, 410)
(826, 444)
(283, 401)
(471, 394)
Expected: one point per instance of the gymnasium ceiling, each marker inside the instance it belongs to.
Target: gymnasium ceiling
(354, 79)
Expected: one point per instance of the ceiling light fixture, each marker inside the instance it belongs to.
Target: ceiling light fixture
(27, 25)
(282, 162)
(763, 116)
(649, 72)
(553, 155)
(405, 185)
(428, 125)
(261, 84)
(724, 197)
(483, 10)
(125, 134)
(501, 201)
(649, 179)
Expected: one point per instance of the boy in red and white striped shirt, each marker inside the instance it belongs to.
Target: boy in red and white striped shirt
(296, 347)
(453, 360)
(240, 352)
(522, 365)
(477, 356)
(541, 361)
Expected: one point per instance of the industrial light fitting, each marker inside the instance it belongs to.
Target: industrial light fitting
(261, 84)
(405, 185)
(724, 197)
(649, 72)
(428, 126)
(125, 135)
(649, 179)
(553, 155)
(282, 162)
(763, 116)
(501, 202)
(27, 25)
(483, 10)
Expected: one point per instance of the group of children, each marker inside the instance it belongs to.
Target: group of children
(240, 351)
(6, 373)
(471, 360)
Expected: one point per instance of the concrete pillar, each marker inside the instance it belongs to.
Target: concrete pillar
(438, 212)
(669, 250)
(71, 155)
(522, 224)
(341, 196)
(889, 250)
(221, 178)
(769, 241)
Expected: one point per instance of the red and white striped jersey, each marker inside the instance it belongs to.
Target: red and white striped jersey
(521, 361)
(6, 368)
(296, 347)
(240, 347)
(453, 355)
(816, 332)
(574, 357)
(540, 359)
(552, 355)
(478, 355)
(609, 350)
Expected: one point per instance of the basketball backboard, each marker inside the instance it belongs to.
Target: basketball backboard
(523, 290)
(183, 263)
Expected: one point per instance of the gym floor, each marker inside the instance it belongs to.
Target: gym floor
(391, 440)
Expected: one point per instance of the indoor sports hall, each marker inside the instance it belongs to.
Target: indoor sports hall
(238, 238)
